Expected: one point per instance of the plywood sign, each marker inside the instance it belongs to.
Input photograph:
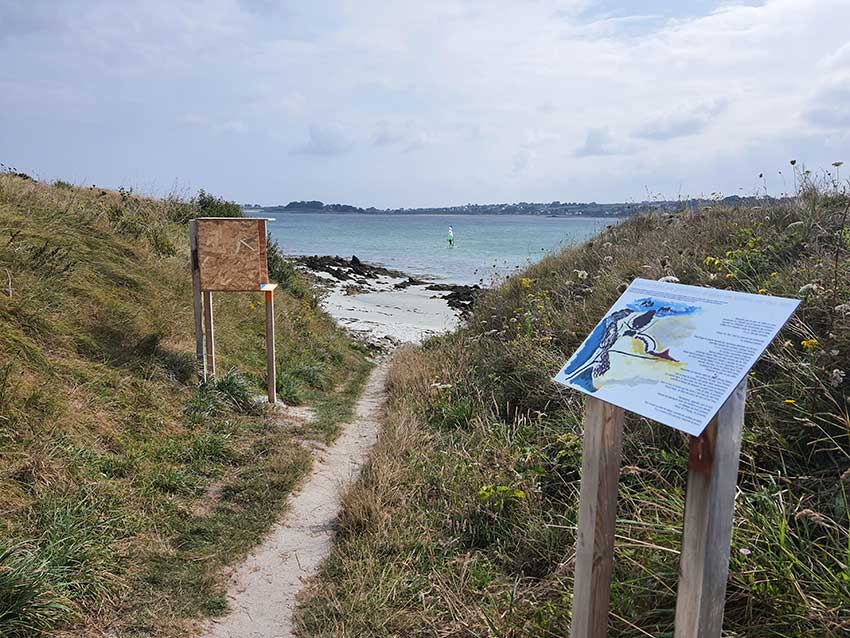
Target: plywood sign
(232, 254)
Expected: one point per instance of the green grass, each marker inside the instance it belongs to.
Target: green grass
(464, 521)
(336, 408)
(126, 487)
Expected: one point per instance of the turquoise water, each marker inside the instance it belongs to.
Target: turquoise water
(486, 246)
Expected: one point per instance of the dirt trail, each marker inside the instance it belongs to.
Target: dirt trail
(263, 589)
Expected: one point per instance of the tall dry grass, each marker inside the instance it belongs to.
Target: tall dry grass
(464, 522)
(126, 488)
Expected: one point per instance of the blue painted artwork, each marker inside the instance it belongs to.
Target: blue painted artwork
(629, 344)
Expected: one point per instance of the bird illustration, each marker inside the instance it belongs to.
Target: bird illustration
(594, 358)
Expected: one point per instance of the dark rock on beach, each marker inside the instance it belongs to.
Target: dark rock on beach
(407, 283)
(460, 297)
(344, 269)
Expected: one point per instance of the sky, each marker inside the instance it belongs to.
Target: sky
(404, 103)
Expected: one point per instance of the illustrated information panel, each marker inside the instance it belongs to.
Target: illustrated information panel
(674, 353)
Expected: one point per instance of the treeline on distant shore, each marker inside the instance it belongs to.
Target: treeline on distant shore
(551, 209)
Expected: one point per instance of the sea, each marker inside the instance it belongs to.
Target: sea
(486, 247)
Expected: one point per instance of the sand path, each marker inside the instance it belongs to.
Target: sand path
(263, 590)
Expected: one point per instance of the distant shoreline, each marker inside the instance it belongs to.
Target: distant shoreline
(392, 213)
(557, 209)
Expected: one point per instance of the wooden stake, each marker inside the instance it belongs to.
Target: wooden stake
(270, 362)
(210, 338)
(196, 298)
(600, 473)
(707, 536)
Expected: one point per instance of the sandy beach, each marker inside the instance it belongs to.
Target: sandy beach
(381, 307)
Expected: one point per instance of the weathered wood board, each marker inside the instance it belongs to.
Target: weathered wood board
(232, 254)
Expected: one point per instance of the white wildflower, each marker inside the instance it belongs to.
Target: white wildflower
(669, 279)
(581, 274)
(608, 259)
(836, 377)
(809, 288)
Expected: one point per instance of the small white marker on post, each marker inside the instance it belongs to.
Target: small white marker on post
(209, 334)
(271, 374)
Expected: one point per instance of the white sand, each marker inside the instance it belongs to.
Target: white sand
(409, 314)
(263, 590)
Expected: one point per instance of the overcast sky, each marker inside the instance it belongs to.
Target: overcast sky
(414, 103)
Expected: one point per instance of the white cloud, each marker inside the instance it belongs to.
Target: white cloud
(829, 105)
(601, 141)
(683, 121)
(450, 100)
(830, 108)
(325, 140)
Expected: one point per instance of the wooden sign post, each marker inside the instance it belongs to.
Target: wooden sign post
(679, 355)
(229, 254)
(707, 536)
(600, 472)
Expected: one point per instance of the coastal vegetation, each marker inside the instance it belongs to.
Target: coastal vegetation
(126, 488)
(464, 521)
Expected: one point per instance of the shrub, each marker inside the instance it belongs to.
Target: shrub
(203, 204)
(284, 274)
(211, 206)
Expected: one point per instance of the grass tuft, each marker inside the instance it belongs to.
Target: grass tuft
(28, 603)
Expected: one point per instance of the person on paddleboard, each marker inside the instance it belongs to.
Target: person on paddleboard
(451, 237)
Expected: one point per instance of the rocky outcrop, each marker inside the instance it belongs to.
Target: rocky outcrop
(344, 269)
(460, 297)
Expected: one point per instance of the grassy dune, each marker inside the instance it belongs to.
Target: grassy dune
(124, 487)
(464, 522)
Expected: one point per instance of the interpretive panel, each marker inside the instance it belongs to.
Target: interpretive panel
(674, 353)
(232, 254)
